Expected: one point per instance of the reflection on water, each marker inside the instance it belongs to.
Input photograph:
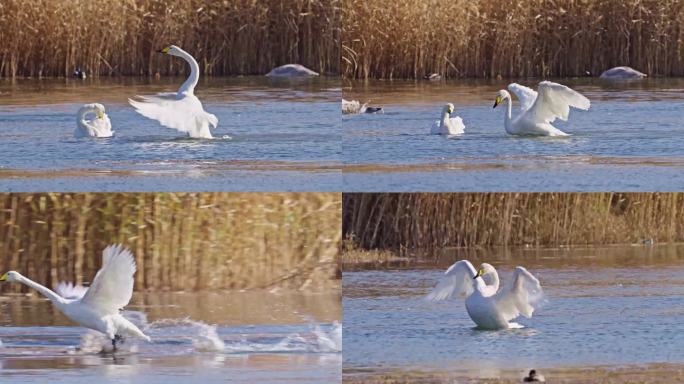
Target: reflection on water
(606, 306)
(624, 142)
(248, 336)
(280, 126)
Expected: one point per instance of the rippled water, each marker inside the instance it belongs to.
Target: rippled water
(200, 337)
(630, 139)
(606, 306)
(283, 135)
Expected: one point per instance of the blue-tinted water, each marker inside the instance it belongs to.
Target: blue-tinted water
(605, 307)
(630, 139)
(272, 135)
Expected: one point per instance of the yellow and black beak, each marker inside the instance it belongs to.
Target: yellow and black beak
(451, 109)
(497, 101)
(100, 115)
(4, 277)
(479, 273)
(164, 50)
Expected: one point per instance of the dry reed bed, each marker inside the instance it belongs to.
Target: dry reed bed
(425, 221)
(183, 241)
(121, 37)
(521, 38)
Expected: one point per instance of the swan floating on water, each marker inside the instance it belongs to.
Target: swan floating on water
(355, 107)
(448, 125)
(99, 126)
(96, 307)
(180, 110)
(489, 307)
(622, 73)
(291, 70)
(539, 110)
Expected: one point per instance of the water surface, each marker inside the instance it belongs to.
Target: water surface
(206, 337)
(273, 135)
(631, 139)
(606, 307)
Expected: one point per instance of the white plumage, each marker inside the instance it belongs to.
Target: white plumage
(180, 110)
(92, 121)
(489, 307)
(539, 109)
(99, 306)
(448, 125)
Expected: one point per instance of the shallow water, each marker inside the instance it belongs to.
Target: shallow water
(273, 135)
(630, 139)
(605, 306)
(202, 337)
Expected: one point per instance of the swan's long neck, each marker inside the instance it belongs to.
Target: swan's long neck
(83, 112)
(507, 124)
(191, 82)
(55, 298)
(445, 118)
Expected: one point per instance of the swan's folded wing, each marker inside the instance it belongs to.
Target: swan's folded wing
(184, 113)
(554, 101)
(457, 280)
(521, 297)
(112, 287)
(456, 126)
(526, 95)
(70, 291)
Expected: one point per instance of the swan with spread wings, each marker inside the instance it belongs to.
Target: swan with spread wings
(538, 109)
(489, 307)
(97, 307)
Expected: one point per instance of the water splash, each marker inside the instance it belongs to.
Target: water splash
(203, 337)
(317, 340)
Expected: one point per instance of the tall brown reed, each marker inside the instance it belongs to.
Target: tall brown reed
(424, 220)
(181, 241)
(517, 38)
(121, 37)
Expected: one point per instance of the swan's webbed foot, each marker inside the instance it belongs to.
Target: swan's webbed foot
(117, 338)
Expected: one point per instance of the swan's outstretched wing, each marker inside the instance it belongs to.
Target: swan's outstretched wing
(521, 297)
(183, 113)
(458, 279)
(112, 287)
(527, 96)
(70, 290)
(554, 101)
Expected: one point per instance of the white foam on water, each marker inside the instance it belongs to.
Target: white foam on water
(203, 337)
(317, 340)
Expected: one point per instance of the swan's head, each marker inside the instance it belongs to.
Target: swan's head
(10, 276)
(171, 50)
(96, 108)
(485, 269)
(448, 108)
(501, 96)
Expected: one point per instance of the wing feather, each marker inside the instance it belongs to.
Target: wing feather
(70, 291)
(526, 95)
(181, 112)
(554, 101)
(521, 297)
(457, 280)
(112, 287)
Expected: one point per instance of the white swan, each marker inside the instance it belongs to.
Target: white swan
(355, 107)
(538, 111)
(180, 110)
(291, 70)
(96, 307)
(489, 307)
(99, 126)
(448, 125)
(622, 73)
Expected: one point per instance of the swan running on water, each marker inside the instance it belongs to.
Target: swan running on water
(489, 307)
(180, 110)
(99, 126)
(448, 125)
(96, 307)
(539, 110)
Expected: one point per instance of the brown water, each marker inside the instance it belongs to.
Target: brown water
(208, 336)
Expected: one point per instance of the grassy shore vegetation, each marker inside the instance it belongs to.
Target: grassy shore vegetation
(181, 241)
(399, 222)
(121, 37)
(518, 38)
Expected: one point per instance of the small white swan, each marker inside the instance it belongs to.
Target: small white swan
(448, 125)
(99, 126)
(622, 73)
(489, 307)
(291, 70)
(180, 110)
(539, 110)
(96, 307)
(355, 107)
